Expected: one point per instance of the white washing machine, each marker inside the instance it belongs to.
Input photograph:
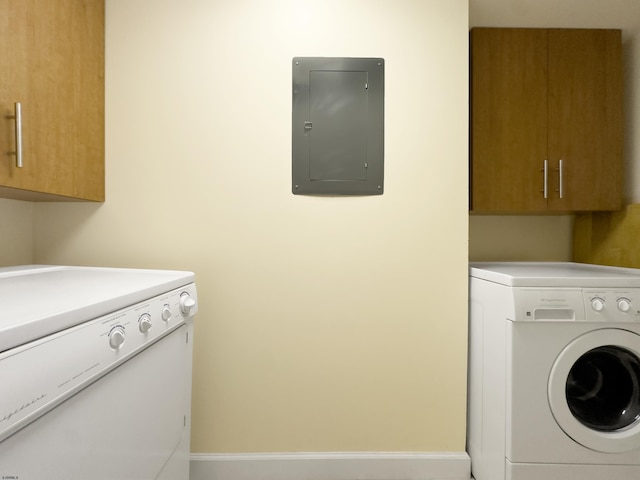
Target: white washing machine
(95, 373)
(554, 372)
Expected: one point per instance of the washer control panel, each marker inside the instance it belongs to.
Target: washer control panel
(612, 305)
(577, 304)
(59, 365)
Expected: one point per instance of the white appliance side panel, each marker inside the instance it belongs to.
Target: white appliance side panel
(123, 426)
(490, 306)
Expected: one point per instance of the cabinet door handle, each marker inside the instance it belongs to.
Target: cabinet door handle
(545, 182)
(18, 131)
(560, 179)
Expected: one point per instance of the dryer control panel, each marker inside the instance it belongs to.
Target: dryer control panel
(577, 304)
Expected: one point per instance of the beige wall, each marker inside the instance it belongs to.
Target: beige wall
(326, 324)
(16, 232)
(532, 238)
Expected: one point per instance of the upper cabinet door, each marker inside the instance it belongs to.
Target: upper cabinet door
(585, 119)
(546, 113)
(16, 38)
(509, 119)
(53, 65)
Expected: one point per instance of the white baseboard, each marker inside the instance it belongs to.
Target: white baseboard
(331, 466)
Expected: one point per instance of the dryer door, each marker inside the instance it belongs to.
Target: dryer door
(594, 390)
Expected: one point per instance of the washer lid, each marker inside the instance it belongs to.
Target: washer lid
(38, 300)
(555, 274)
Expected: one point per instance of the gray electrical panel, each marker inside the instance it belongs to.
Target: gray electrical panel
(338, 126)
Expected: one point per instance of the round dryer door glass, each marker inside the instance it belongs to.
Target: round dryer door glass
(594, 390)
(603, 388)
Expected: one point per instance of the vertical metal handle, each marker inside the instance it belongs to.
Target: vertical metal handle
(545, 185)
(18, 131)
(561, 179)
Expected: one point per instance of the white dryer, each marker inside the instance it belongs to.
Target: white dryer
(95, 373)
(554, 372)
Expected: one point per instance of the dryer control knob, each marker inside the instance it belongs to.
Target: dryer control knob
(186, 303)
(624, 305)
(116, 337)
(166, 313)
(144, 322)
(597, 304)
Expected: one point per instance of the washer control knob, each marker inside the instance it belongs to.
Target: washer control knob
(144, 322)
(166, 313)
(624, 304)
(597, 304)
(116, 337)
(186, 303)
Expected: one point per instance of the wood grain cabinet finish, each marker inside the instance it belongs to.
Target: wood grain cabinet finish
(52, 63)
(546, 120)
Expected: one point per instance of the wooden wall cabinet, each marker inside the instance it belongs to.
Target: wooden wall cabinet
(546, 120)
(52, 63)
